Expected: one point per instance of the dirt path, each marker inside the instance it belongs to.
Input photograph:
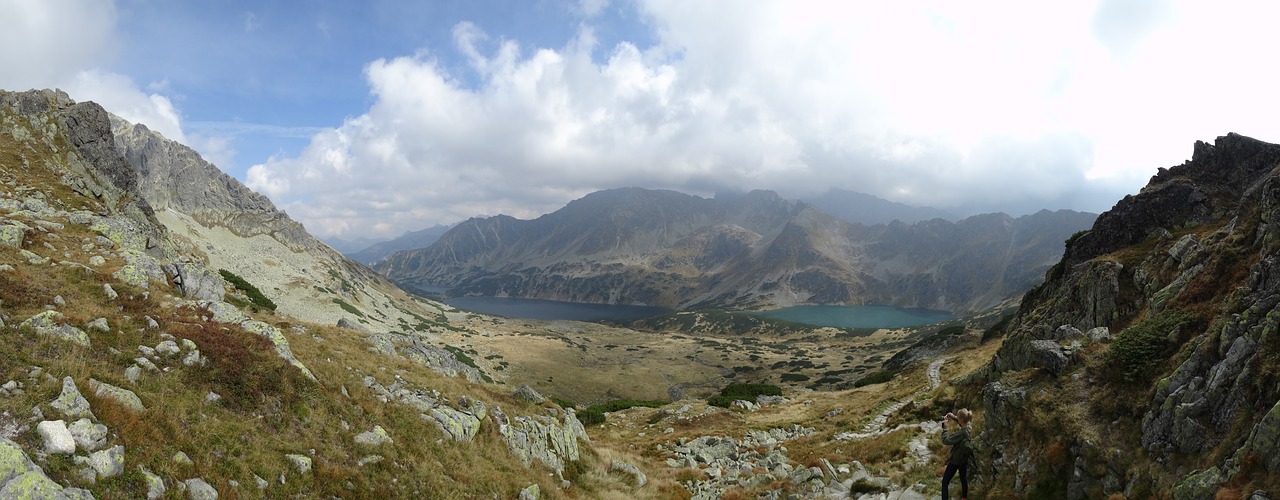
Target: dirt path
(919, 445)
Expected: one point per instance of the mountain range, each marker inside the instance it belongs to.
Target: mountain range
(757, 250)
(170, 333)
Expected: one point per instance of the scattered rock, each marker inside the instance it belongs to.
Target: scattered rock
(212, 397)
(99, 324)
(531, 492)
(301, 463)
(71, 403)
(167, 348)
(108, 463)
(57, 439)
(634, 471)
(198, 489)
(181, 458)
(376, 437)
(133, 373)
(47, 323)
(124, 397)
(155, 485)
(88, 435)
(98, 261)
(529, 394)
(346, 323)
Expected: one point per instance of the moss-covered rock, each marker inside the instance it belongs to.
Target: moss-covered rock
(71, 403)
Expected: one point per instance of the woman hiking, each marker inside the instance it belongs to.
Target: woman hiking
(958, 439)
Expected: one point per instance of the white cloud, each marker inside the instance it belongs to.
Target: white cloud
(73, 61)
(986, 105)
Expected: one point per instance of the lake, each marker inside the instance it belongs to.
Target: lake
(552, 309)
(858, 316)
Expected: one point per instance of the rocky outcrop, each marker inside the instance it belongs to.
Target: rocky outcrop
(1197, 245)
(551, 440)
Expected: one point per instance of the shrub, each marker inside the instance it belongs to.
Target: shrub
(879, 377)
(745, 392)
(348, 307)
(255, 296)
(594, 414)
(794, 377)
(1138, 350)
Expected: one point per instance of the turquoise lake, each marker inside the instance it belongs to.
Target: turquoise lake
(858, 316)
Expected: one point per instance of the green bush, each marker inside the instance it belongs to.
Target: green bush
(879, 377)
(745, 392)
(794, 377)
(594, 414)
(255, 296)
(1139, 350)
(348, 307)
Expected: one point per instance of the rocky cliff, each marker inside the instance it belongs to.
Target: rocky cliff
(665, 248)
(242, 231)
(1149, 360)
(193, 386)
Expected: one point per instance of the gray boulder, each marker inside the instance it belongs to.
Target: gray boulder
(70, 402)
(49, 323)
(108, 463)
(195, 280)
(351, 325)
(88, 435)
(635, 472)
(198, 489)
(376, 437)
(529, 394)
(1049, 354)
(155, 485)
(57, 439)
(300, 463)
(12, 236)
(124, 397)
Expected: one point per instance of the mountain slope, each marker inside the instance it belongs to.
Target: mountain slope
(861, 208)
(371, 254)
(755, 250)
(1150, 359)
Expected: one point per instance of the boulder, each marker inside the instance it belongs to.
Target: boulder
(529, 394)
(279, 341)
(13, 462)
(48, 323)
(531, 492)
(155, 485)
(352, 325)
(198, 489)
(12, 236)
(88, 435)
(99, 324)
(70, 402)
(195, 280)
(108, 463)
(300, 463)
(376, 437)
(57, 439)
(32, 484)
(1049, 354)
(635, 472)
(124, 397)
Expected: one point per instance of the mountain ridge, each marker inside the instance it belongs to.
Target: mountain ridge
(654, 247)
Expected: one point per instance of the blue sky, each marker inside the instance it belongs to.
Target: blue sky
(368, 119)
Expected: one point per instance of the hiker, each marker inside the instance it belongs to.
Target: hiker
(961, 451)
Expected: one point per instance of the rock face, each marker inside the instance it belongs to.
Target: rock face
(669, 249)
(1182, 283)
(551, 441)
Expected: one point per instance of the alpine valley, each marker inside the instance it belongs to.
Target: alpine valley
(752, 251)
(166, 332)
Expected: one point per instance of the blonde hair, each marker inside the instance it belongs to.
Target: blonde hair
(964, 415)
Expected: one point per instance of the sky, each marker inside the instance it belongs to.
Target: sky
(369, 119)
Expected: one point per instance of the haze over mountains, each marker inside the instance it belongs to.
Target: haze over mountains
(652, 247)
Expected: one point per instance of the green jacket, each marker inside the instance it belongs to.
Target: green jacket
(959, 442)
